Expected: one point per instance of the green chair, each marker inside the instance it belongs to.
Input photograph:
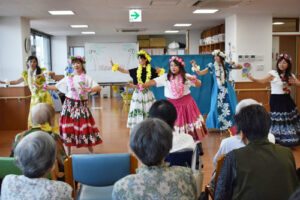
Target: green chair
(8, 166)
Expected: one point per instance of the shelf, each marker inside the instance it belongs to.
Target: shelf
(208, 48)
(212, 44)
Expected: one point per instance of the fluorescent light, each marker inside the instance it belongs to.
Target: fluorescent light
(278, 23)
(205, 11)
(88, 33)
(79, 26)
(171, 31)
(61, 12)
(183, 25)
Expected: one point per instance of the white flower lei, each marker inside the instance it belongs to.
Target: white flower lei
(31, 80)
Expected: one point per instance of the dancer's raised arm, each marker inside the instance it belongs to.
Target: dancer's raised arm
(115, 67)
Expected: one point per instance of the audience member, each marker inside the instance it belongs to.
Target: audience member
(42, 118)
(260, 170)
(35, 156)
(166, 111)
(151, 141)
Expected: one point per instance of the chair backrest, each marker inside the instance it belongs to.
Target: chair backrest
(98, 169)
(8, 166)
(183, 159)
(220, 162)
(101, 169)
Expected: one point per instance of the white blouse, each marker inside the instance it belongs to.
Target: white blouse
(64, 85)
(276, 83)
(163, 81)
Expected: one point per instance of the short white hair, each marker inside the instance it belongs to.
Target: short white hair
(244, 103)
(35, 154)
(42, 113)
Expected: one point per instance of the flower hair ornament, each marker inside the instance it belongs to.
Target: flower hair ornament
(82, 59)
(284, 55)
(142, 52)
(218, 52)
(179, 59)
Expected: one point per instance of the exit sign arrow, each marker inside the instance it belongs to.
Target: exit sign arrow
(135, 15)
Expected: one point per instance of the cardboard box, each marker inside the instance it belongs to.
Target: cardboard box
(143, 37)
(144, 43)
(158, 42)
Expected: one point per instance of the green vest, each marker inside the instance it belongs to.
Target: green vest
(264, 171)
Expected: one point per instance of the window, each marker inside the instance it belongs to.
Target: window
(41, 48)
(285, 24)
(77, 51)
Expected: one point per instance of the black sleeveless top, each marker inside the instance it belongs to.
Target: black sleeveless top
(133, 72)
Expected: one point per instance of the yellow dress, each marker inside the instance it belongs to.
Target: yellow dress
(38, 95)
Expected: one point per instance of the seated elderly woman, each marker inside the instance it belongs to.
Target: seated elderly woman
(35, 156)
(260, 170)
(151, 141)
(166, 111)
(42, 118)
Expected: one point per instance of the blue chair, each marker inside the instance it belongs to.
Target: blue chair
(97, 173)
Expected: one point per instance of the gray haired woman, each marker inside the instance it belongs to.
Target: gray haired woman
(35, 156)
(151, 141)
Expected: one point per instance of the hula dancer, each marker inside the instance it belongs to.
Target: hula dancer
(34, 77)
(177, 85)
(223, 98)
(77, 125)
(285, 119)
(141, 100)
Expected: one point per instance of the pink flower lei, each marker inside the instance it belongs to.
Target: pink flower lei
(179, 59)
(82, 92)
(177, 92)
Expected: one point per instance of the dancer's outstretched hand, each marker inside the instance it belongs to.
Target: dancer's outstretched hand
(111, 62)
(133, 86)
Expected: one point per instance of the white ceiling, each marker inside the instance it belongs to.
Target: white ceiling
(105, 17)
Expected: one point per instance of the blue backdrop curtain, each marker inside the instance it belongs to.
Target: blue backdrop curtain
(201, 95)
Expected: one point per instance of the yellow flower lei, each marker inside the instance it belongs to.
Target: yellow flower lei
(45, 127)
(142, 52)
(139, 74)
(162, 71)
(115, 67)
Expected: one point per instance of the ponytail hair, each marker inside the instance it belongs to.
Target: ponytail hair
(38, 68)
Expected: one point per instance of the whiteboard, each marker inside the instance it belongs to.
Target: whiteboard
(98, 57)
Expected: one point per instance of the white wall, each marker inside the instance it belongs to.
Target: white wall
(59, 54)
(253, 36)
(13, 31)
(230, 37)
(194, 41)
(81, 40)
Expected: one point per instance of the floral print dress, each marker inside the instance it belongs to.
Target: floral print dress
(223, 100)
(164, 182)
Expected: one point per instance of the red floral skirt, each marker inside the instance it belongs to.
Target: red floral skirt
(77, 125)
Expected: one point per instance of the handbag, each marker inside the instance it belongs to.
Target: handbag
(197, 167)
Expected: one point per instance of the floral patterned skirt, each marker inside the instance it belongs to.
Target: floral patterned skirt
(189, 119)
(139, 106)
(77, 125)
(222, 107)
(285, 120)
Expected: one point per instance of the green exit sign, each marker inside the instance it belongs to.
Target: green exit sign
(135, 15)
